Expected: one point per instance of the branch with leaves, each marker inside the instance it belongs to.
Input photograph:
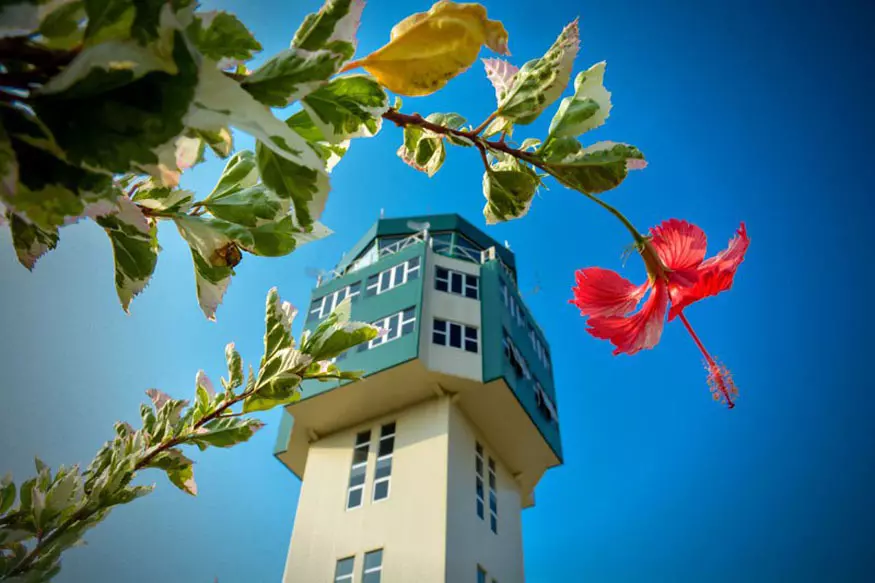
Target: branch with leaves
(55, 509)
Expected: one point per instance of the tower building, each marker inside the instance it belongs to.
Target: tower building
(419, 472)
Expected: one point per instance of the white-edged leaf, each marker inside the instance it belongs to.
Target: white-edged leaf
(587, 109)
(334, 26)
(306, 187)
(290, 75)
(240, 171)
(347, 107)
(500, 73)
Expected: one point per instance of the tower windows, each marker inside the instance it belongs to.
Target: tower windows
(456, 335)
(321, 307)
(373, 569)
(396, 325)
(478, 466)
(455, 282)
(383, 474)
(343, 570)
(392, 277)
(481, 574)
(358, 471)
(493, 498)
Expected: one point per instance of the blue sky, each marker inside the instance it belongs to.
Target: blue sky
(746, 111)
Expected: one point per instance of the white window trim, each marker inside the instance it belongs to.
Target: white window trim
(469, 280)
(388, 478)
(463, 332)
(377, 569)
(344, 578)
(386, 324)
(493, 491)
(480, 475)
(397, 275)
(332, 299)
(349, 489)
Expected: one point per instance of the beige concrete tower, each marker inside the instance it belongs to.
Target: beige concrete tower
(419, 472)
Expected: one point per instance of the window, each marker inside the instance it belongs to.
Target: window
(493, 498)
(466, 249)
(441, 242)
(455, 335)
(478, 467)
(384, 462)
(365, 258)
(343, 570)
(392, 277)
(373, 568)
(481, 574)
(515, 358)
(321, 307)
(545, 404)
(356, 488)
(454, 282)
(396, 325)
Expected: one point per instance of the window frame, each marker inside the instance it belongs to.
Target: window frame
(404, 317)
(378, 569)
(362, 442)
(392, 277)
(479, 483)
(389, 456)
(465, 333)
(345, 577)
(468, 282)
(493, 495)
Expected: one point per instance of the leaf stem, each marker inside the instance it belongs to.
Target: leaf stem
(476, 131)
(402, 120)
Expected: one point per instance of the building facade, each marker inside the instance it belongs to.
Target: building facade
(419, 472)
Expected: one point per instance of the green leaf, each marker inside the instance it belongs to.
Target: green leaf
(509, 188)
(587, 109)
(7, 494)
(134, 247)
(30, 241)
(452, 121)
(179, 469)
(108, 19)
(151, 195)
(111, 119)
(251, 206)
(422, 150)
(67, 491)
(500, 73)
(235, 367)
(219, 34)
(278, 318)
(347, 107)
(594, 169)
(336, 334)
(61, 28)
(240, 172)
(225, 432)
(280, 389)
(290, 75)
(220, 141)
(334, 27)
(281, 237)
(306, 186)
(221, 101)
(541, 81)
(303, 125)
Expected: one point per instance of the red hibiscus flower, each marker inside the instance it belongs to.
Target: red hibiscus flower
(678, 275)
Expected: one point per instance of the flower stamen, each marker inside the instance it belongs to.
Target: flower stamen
(719, 377)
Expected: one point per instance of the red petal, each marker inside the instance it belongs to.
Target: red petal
(680, 245)
(715, 274)
(602, 292)
(639, 331)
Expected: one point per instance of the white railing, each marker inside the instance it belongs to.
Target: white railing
(420, 236)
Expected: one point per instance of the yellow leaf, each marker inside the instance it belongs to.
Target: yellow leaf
(429, 48)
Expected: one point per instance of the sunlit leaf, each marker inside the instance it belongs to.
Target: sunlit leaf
(509, 187)
(587, 109)
(594, 169)
(347, 107)
(428, 49)
(219, 34)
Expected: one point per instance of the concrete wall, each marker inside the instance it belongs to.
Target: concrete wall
(470, 541)
(453, 308)
(410, 525)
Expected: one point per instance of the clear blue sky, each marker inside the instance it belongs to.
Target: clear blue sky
(746, 111)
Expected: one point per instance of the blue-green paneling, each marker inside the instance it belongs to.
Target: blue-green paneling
(496, 318)
(370, 309)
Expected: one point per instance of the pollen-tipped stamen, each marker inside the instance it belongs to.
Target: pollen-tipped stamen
(719, 378)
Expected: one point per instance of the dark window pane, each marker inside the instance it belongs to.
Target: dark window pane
(493, 503)
(479, 487)
(384, 468)
(393, 328)
(456, 283)
(493, 524)
(372, 577)
(372, 285)
(344, 567)
(357, 476)
(470, 333)
(342, 356)
(407, 328)
(439, 338)
(480, 508)
(354, 288)
(373, 559)
(491, 481)
(440, 325)
(471, 345)
(387, 444)
(441, 285)
(479, 465)
(387, 429)
(355, 498)
(359, 455)
(363, 437)
(363, 347)
(381, 490)
(441, 273)
(492, 464)
(409, 313)
(471, 292)
(479, 448)
(455, 336)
